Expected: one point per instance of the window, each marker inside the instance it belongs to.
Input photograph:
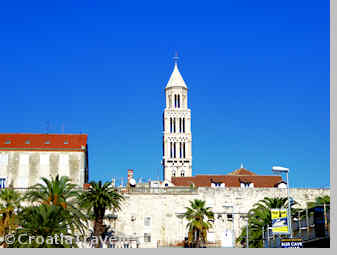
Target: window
(174, 150)
(180, 150)
(180, 125)
(183, 125)
(171, 125)
(27, 142)
(229, 217)
(171, 150)
(174, 173)
(184, 151)
(217, 184)
(147, 237)
(247, 185)
(8, 142)
(147, 221)
(182, 174)
(178, 101)
(2, 183)
(174, 125)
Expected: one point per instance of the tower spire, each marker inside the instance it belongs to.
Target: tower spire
(176, 80)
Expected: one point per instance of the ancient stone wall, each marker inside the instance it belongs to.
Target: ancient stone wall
(159, 215)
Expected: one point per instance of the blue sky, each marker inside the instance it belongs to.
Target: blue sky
(258, 74)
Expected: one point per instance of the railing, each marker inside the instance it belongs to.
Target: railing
(153, 190)
(159, 190)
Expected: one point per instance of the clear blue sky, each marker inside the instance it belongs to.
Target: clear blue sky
(258, 74)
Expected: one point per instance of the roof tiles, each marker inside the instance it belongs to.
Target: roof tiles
(57, 142)
(233, 179)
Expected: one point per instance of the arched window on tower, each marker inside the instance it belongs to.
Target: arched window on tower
(184, 150)
(171, 150)
(174, 173)
(178, 101)
(180, 150)
(182, 173)
(170, 125)
(180, 125)
(174, 125)
(183, 125)
(175, 101)
(175, 150)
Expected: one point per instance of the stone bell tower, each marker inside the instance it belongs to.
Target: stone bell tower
(177, 139)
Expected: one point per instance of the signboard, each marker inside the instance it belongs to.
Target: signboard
(279, 220)
(291, 243)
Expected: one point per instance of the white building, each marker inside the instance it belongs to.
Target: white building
(177, 139)
(25, 158)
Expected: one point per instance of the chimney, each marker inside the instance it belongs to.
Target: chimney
(130, 175)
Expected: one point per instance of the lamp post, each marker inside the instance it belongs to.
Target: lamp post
(279, 169)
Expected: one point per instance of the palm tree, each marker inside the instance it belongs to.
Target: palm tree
(259, 217)
(200, 218)
(319, 201)
(59, 191)
(43, 222)
(10, 204)
(99, 198)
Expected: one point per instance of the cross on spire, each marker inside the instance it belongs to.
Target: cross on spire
(176, 58)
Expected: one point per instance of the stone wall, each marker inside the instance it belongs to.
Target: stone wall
(167, 226)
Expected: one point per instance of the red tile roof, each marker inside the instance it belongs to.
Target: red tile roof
(230, 180)
(242, 171)
(51, 142)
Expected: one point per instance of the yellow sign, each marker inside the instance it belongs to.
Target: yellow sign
(279, 218)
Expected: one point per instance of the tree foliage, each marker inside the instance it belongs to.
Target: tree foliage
(59, 191)
(200, 221)
(97, 200)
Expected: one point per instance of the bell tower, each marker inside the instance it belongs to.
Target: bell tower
(177, 138)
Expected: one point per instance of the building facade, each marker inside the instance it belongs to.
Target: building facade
(177, 138)
(25, 158)
(155, 219)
